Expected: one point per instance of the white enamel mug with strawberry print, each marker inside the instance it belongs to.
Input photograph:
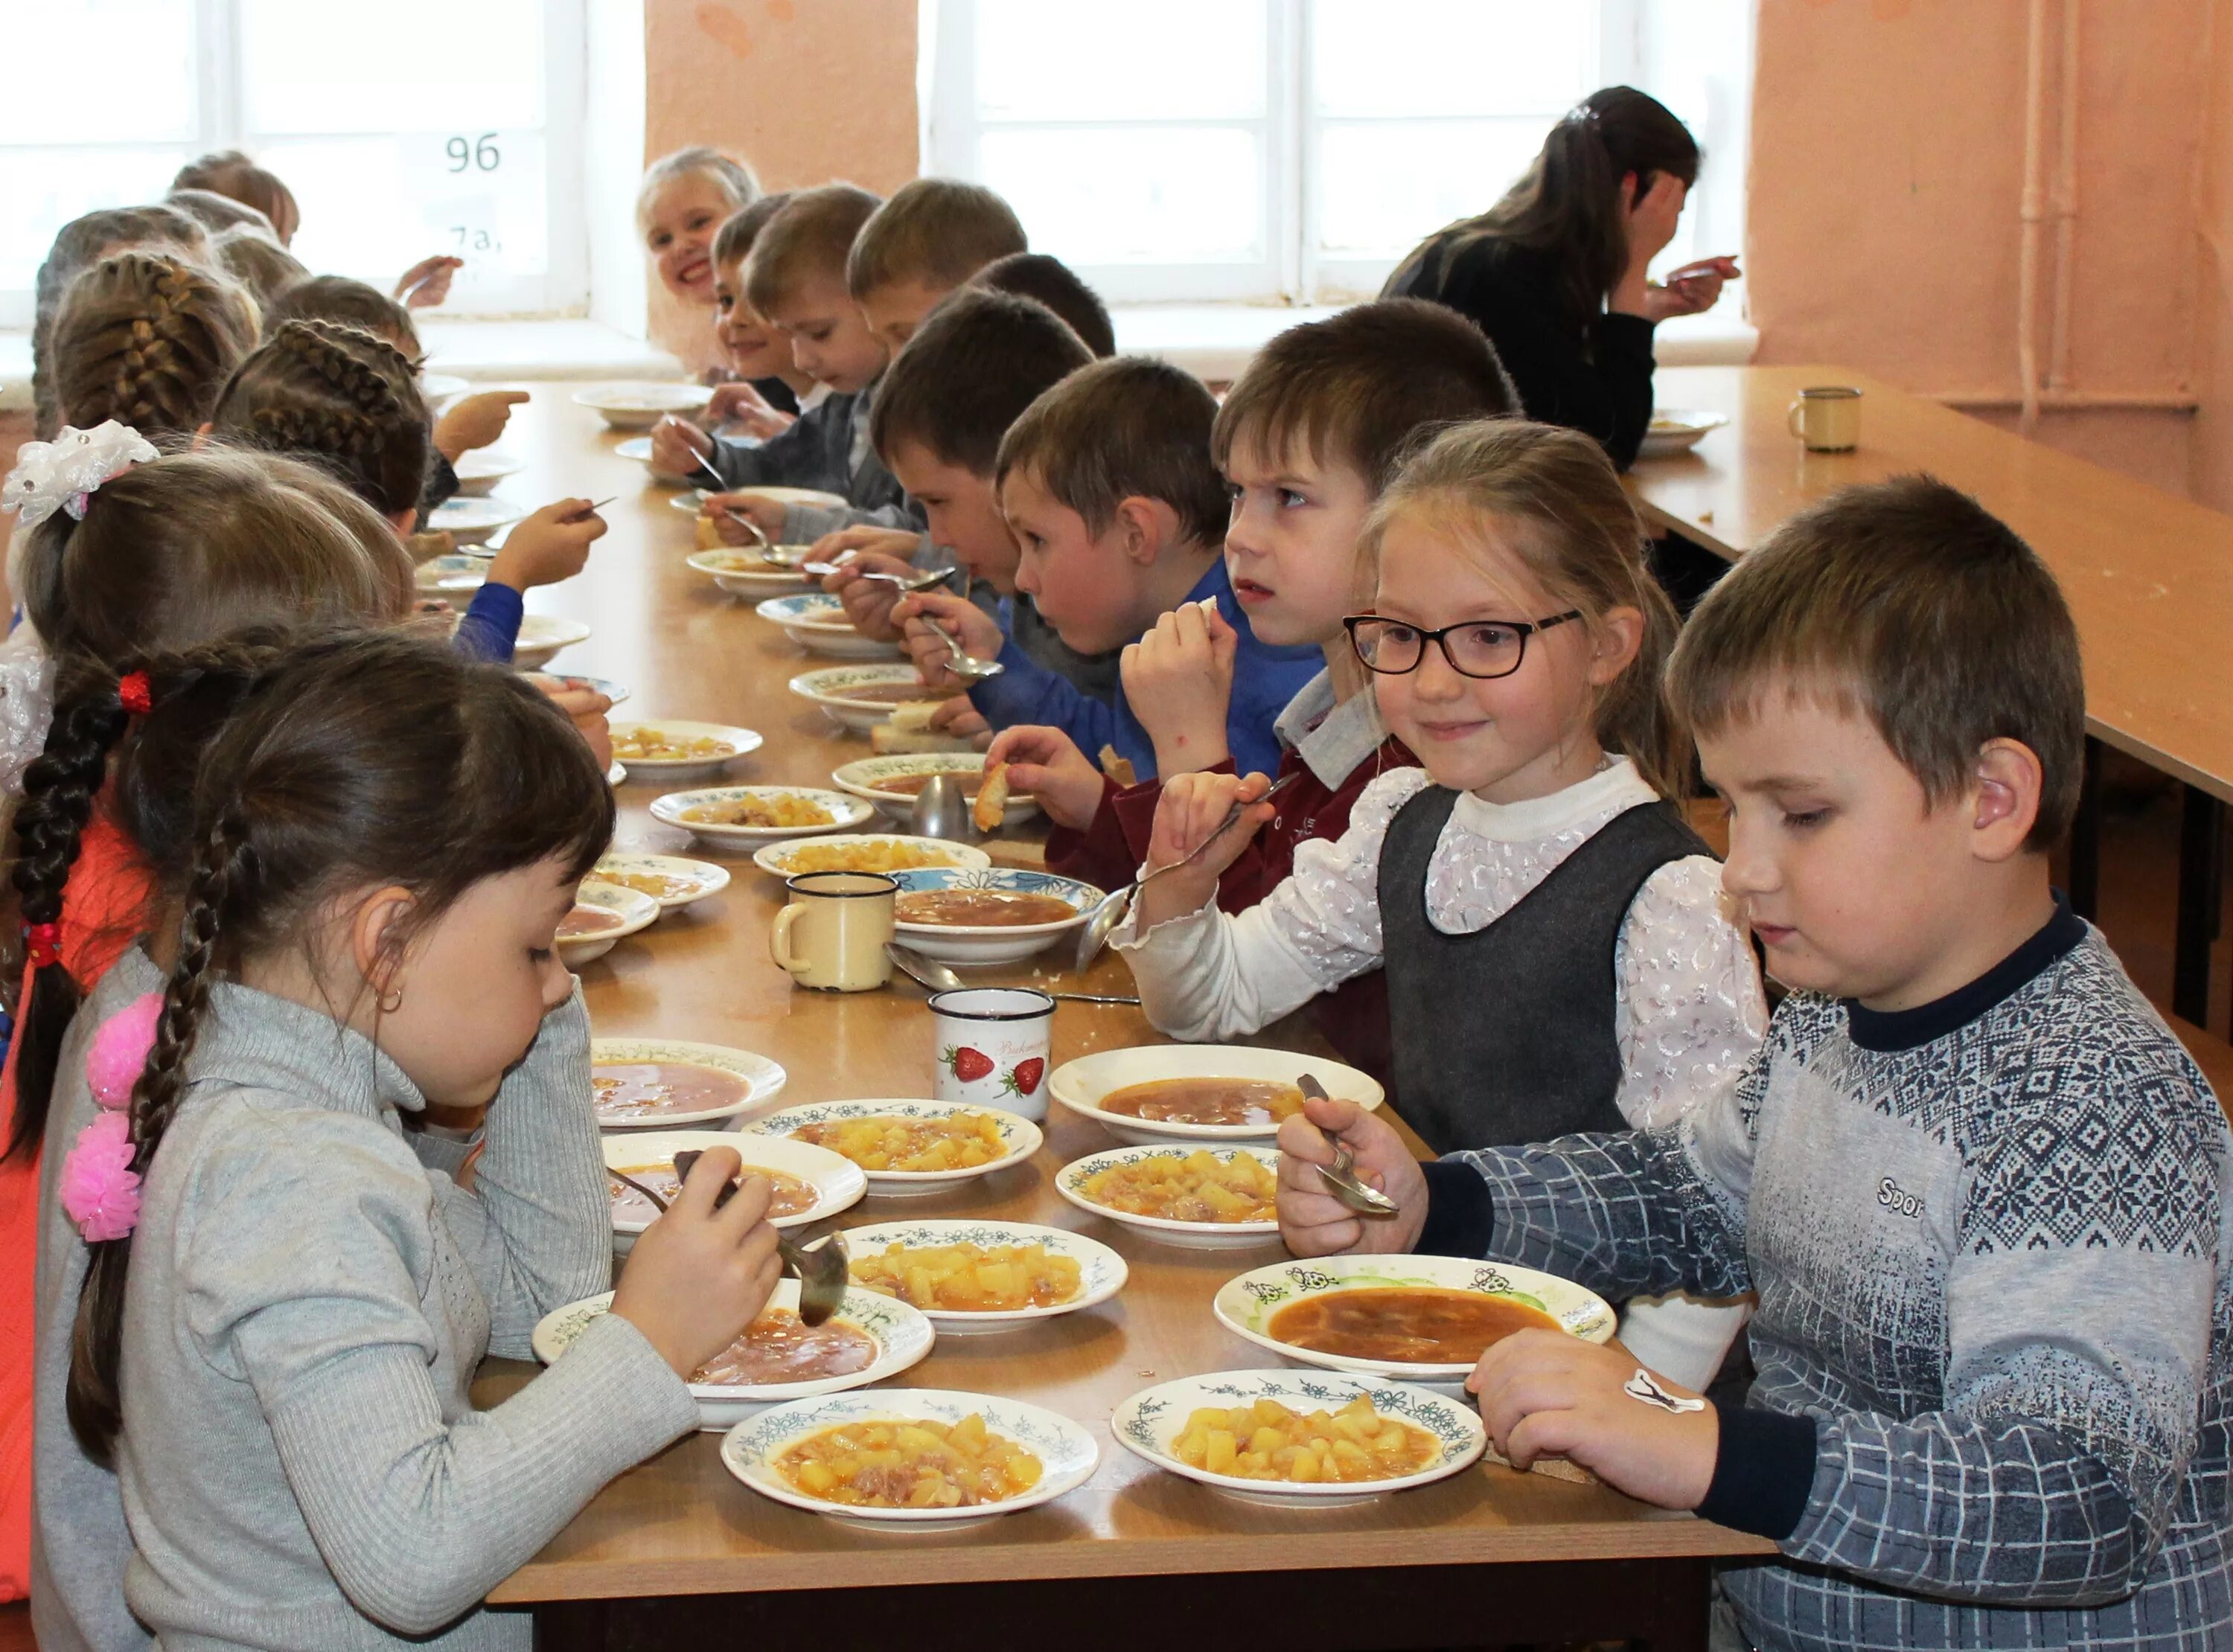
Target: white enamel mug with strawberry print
(992, 1048)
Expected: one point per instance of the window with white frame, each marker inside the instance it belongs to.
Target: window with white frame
(1294, 150)
(409, 128)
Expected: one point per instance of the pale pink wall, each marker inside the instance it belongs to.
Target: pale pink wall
(1886, 176)
(806, 90)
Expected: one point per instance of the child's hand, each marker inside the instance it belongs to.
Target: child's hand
(868, 602)
(732, 510)
(550, 545)
(963, 720)
(1312, 1222)
(1178, 678)
(1045, 763)
(1546, 1394)
(677, 445)
(741, 410)
(426, 283)
(585, 707)
(1189, 812)
(473, 421)
(981, 635)
(698, 1275)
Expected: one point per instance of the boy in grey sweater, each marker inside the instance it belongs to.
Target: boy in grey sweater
(1978, 1186)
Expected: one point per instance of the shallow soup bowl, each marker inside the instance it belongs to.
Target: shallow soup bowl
(1084, 1084)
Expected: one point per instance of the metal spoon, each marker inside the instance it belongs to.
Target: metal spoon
(1109, 910)
(933, 977)
(822, 1268)
(906, 587)
(961, 665)
(941, 809)
(1341, 1178)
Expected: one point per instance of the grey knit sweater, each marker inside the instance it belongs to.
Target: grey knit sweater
(300, 1464)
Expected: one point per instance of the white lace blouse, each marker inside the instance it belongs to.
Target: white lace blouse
(1687, 991)
(27, 704)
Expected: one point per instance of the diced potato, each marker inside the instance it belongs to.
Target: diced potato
(1265, 1440)
(972, 1279)
(1198, 1188)
(885, 1141)
(910, 1464)
(1219, 1455)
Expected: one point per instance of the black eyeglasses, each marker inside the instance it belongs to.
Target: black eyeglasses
(1480, 648)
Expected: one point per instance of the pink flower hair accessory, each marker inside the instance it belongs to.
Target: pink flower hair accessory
(119, 1053)
(99, 1190)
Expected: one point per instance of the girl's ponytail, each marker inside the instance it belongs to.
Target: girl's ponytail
(224, 879)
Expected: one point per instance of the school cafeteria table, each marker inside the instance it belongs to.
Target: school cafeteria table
(677, 1548)
(2149, 577)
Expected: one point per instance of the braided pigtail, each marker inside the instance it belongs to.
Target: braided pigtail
(341, 396)
(223, 878)
(148, 340)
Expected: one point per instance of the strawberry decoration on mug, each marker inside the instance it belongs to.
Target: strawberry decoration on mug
(99, 1189)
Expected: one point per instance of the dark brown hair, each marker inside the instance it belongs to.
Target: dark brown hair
(1128, 427)
(807, 239)
(1908, 604)
(170, 557)
(148, 340)
(258, 263)
(733, 240)
(340, 397)
(366, 758)
(1569, 202)
(936, 231)
(1047, 278)
(1554, 494)
(1359, 387)
(233, 175)
(978, 360)
(78, 244)
(350, 303)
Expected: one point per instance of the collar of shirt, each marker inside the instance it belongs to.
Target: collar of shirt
(1331, 739)
(814, 398)
(1613, 790)
(1893, 1030)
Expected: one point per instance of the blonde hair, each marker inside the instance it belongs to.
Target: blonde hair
(255, 260)
(149, 341)
(1579, 537)
(233, 175)
(734, 177)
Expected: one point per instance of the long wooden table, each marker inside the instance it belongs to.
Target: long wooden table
(2149, 577)
(669, 1548)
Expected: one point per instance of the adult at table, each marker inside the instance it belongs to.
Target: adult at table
(1555, 273)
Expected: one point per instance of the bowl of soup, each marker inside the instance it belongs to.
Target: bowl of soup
(635, 404)
(807, 1184)
(1422, 1318)
(542, 636)
(860, 697)
(1183, 1092)
(671, 749)
(987, 914)
(892, 783)
(742, 571)
(673, 1084)
(816, 622)
(602, 915)
(778, 1357)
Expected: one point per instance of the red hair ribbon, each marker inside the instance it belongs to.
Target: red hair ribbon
(136, 693)
(42, 944)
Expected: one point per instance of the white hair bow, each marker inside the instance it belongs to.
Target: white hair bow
(61, 475)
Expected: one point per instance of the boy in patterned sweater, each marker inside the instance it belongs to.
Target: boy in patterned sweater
(1979, 1187)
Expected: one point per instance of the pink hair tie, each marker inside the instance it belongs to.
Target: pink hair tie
(119, 1052)
(100, 1191)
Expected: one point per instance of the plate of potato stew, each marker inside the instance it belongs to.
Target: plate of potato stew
(989, 914)
(1284, 1437)
(1211, 1196)
(910, 1455)
(970, 1276)
(1198, 1093)
(906, 1146)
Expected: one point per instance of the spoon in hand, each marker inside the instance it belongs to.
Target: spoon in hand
(1341, 1178)
(822, 1267)
(961, 664)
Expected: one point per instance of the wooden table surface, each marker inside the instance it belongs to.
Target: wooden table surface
(680, 1525)
(2149, 577)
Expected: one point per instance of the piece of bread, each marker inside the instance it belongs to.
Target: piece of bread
(913, 716)
(1118, 769)
(709, 534)
(887, 741)
(991, 799)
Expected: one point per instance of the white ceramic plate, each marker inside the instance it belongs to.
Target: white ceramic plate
(860, 777)
(616, 776)
(763, 1079)
(694, 501)
(450, 575)
(748, 581)
(664, 768)
(1677, 429)
(702, 878)
(470, 521)
(1069, 1182)
(616, 692)
(1066, 1452)
(1019, 1135)
(1245, 1305)
(1080, 1085)
(777, 858)
(639, 449)
(845, 813)
(639, 405)
(439, 387)
(480, 470)
(816, 622)
(1150, 1423)
(1101, 1271)
(828, 689)
(992, 943)
(541, 637)
(837, 1180)
(901, 1336)
(634, 911)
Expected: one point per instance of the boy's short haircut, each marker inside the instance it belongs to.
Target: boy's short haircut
(733, 240)
(348, 301)
(1364, 386)
(807, 239)
(231, 174)
(1054, 284)
(936, 231)
(216, 212)
(1126, 428)
(1907, 602)
(978, 360)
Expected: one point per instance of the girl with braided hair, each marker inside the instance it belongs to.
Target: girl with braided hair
(148, 339)
(80, 244)
(381, 843)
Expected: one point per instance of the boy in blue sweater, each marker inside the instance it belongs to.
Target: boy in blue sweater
(1979, 1187)
(1119, 522)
